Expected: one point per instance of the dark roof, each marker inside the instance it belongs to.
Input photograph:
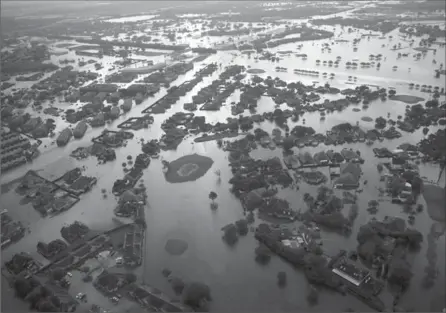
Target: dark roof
(320, 156)
(349, 154)
(351, 168)
(347, 179)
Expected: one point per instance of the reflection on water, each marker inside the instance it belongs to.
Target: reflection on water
(131, 19)
(182, 210)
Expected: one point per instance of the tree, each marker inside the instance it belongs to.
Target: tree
(263, 254)
(413, 237)
(317, 250)
(365, 233)
(22, 287)
(177, 285)
(46, 306)
(288, 143)
(196, 295)
(313, 295)
(323, 192)
(130, 277)
(42, 247)
(380, 167)
(212, 196)
(58, 274)
(400, 273)
(396, 186)
(417, 184)
(230, 234)
(34, 297)
(242, 227)
(87, 278)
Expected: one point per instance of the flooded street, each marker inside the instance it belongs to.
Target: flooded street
(182, 210)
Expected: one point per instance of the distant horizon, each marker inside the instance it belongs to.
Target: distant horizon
(16, 8)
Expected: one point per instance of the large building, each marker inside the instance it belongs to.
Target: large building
(357, 277)
(351, 272)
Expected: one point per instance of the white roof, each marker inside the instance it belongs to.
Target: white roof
(346, 277)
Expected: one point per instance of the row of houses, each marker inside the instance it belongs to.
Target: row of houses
(14, 148)
(133, 250)
(11, 230)
(348, 175)
(328, 158)
(153, 299)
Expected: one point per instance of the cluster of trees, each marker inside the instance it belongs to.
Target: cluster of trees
(197, 295)
(36, 295)
(133, 44)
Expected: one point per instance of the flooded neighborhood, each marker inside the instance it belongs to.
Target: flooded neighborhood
(167, 156)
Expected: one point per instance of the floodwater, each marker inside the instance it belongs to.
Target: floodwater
(182, 211)
(131, 19)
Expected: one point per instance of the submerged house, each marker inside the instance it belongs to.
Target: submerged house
(254, 199)
(80, 129)
(306, 159)
(335, 157)
(291, 161)
(64, 137)
(349, 176)
(321, 158)
(98, 120)
(350, 155)
(32, 124)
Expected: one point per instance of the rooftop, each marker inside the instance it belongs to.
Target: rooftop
(350, 271)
